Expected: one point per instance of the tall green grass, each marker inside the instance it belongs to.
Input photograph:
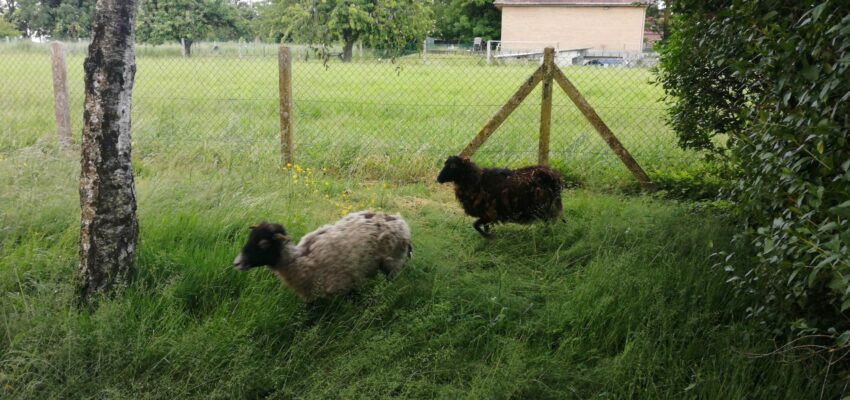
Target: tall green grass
(619, 301)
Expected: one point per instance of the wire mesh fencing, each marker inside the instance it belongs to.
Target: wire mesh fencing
(378, 118)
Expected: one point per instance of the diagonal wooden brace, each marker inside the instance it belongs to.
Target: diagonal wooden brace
(603, 130)
(504, 112)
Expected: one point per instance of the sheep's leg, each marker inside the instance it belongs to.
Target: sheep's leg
(392, 267)
(315, 310)
(486, 227)
(354, 296)
(318, 308)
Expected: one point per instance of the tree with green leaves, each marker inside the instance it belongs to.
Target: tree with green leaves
(7, 29)
(464, 20)
(8, 15)
(68, 19)
(764, 85)
(388, 25)
(188, 21)
(244, 16)
(7, 9)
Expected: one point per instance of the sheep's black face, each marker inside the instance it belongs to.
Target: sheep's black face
(453, 169)
(263, 247)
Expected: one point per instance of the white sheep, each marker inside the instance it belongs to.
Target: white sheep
(332, 259)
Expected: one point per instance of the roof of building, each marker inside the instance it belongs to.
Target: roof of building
(571, 3)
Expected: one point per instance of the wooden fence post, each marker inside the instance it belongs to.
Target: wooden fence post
(503, 112)
(603, 130)
(285, 88)
(425, 51)
(546, 106)
(60, 94)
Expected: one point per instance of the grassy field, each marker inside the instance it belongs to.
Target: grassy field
(360, 118)
(620, 301)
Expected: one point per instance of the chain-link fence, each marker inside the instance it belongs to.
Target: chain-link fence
(380, 118)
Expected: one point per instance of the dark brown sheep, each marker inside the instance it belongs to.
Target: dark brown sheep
(496, 195)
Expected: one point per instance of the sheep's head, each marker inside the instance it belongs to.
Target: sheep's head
(456, 169)
(263, 247)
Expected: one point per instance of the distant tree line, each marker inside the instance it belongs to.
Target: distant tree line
(387, 25)
(380, 24)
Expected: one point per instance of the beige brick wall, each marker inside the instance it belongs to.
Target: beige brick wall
(611, 28)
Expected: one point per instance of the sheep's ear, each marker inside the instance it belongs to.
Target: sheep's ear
(464, 158)
(252, 227)
(280, 237)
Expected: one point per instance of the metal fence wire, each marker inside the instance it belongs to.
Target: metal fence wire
(381, 118)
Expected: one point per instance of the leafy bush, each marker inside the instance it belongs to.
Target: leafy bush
(765, 85)
(7, 29)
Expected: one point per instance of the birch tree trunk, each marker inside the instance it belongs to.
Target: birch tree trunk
(108, 227)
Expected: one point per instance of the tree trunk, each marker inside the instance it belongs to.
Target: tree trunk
(108, 226)
(187, 47)
(347, 50)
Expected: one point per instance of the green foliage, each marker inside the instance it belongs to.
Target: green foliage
(464, 20)
(160, 21)
(400, 23)
(7, 29)
(241, 18)
(388, 25)
(770, 82)
(57, 19)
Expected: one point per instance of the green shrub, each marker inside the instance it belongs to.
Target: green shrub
(7, 29)
(766, 86)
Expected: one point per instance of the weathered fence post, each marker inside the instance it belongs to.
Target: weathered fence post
(425, 51)
(547, 72)
(60, 94)
(600, 126)
(108, 225)
(285, 87)
(546, 106)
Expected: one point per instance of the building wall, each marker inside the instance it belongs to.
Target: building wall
(600, 28)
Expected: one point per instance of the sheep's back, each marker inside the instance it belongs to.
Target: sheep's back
(395, 238)
(531, 193)
(338, 256)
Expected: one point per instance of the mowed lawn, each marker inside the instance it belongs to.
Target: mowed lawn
(620, 301)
